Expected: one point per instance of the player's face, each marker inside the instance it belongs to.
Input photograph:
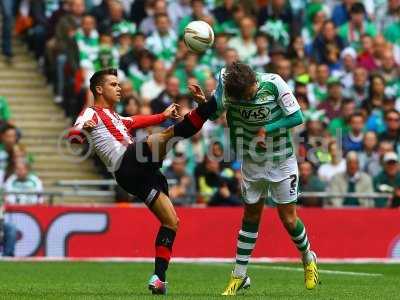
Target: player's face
(111, 89)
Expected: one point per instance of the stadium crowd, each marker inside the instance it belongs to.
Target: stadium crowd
(341, 58)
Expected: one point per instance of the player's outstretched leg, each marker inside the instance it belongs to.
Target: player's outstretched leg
(165, 213)
(297, 231)
(246, 241)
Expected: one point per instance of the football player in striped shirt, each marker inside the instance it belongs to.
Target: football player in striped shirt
(261, 110)
(134, 163)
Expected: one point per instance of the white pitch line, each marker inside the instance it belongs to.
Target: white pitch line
(335, 272)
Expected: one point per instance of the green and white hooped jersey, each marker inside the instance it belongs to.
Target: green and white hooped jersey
(274, 100)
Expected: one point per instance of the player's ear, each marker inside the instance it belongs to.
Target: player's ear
(99, 90)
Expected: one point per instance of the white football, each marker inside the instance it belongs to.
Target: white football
(198, 36)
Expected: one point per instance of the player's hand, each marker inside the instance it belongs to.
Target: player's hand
(89, 125)
(197, 93)
(261, 136)
(171, 112)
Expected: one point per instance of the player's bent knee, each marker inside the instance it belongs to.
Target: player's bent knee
(172, 224)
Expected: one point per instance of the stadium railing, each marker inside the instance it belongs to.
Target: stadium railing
(110, 183)
(50, 195)
(80, 189)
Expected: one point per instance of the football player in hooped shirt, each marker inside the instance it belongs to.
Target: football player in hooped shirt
(136, 163)
(260, 110)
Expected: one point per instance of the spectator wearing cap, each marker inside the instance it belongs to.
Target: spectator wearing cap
(336, 165)
(348, 57)
(340, 125)
(353, 140)
(351, 181)
(352, 30)
(392, 132)
(388, 181)
(181, 184)
(332, 106)
(315, 16)
(309, 182)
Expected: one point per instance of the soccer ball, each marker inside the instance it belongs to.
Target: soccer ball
(198, 36)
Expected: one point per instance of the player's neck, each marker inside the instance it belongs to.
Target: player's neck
(102, 103)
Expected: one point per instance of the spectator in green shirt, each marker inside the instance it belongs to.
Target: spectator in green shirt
(392, 33)
(340, 124)
(388, 181)
(357, 26)
(5, 112)
(187, 69)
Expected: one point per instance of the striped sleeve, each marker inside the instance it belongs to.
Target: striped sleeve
(86, 115)
(75, 134)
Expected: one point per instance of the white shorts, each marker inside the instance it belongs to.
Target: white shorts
(280, 179)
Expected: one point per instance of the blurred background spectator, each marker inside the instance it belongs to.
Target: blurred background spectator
(8, 235)
(351, 181)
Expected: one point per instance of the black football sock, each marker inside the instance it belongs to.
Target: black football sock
(164, 242)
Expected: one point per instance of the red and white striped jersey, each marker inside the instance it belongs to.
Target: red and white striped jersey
(110, 137)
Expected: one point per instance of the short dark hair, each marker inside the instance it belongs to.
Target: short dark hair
(390, 111)
(237, 79)
(357, 114)
(99, 77)
(357, 8)
(7, 127)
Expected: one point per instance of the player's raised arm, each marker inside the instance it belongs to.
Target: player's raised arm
(143, 121)
(288, 102)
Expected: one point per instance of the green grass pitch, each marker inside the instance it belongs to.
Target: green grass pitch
(101, 280)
